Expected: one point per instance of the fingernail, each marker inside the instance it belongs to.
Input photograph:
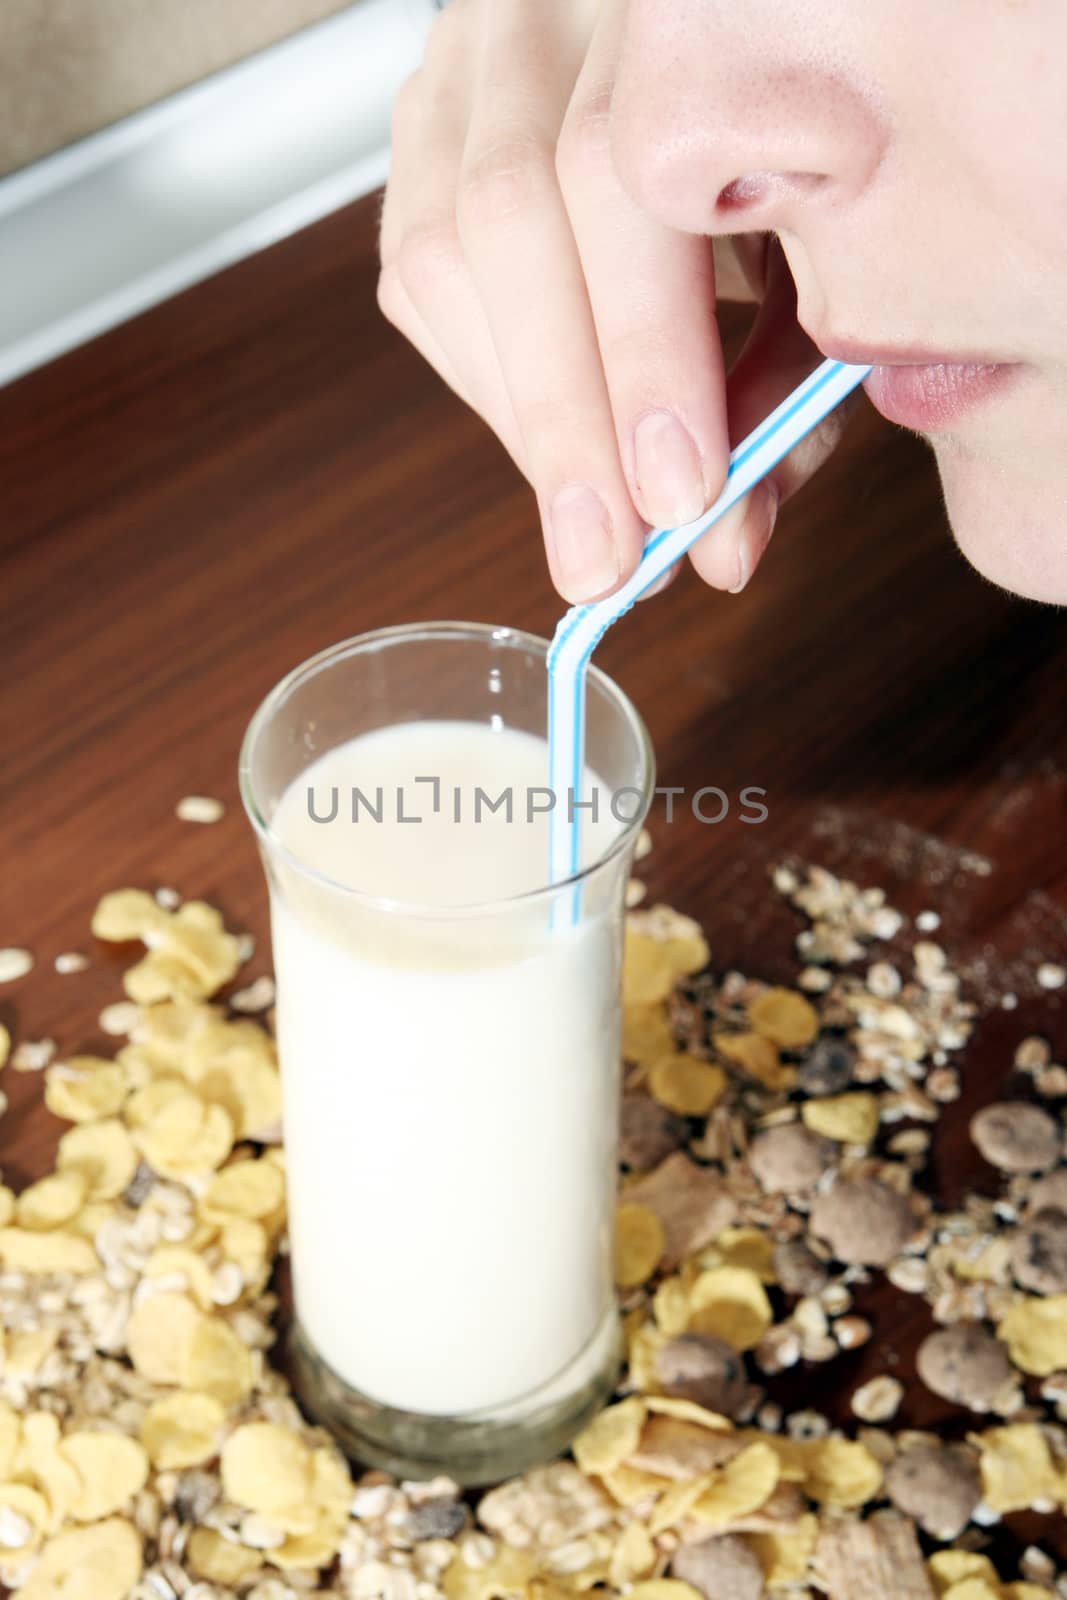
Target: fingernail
(585, 557)
(667, 468)
(761, 512)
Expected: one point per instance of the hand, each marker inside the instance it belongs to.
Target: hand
(580, 329)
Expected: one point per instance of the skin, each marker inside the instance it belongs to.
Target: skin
(574, 182)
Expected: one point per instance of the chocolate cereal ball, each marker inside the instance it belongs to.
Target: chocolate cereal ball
(964, 1363)
(865, 1223)
(1017, 1137)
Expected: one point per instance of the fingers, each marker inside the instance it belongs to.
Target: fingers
(776, 356)
(425, 289)
(651, 293)
(518, 242)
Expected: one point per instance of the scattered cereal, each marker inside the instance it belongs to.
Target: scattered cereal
(639, 1242)
(1017, 1137)
(149, 1451)
(878, 1399)
(33, 1055)
(119, 1019)
(1039, 1253)
(937, 1485)
(790, 1159)
(71, 961)
(259, 996)
(722, 1566)
(704, 1369)
(199, 808)
(965, 1364)
(14, 963)
(865, 1222)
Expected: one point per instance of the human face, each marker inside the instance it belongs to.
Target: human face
(910, 157)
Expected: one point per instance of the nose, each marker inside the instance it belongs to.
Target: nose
(730, 118)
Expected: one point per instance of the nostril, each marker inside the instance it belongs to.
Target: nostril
(754, 190)
(741, 194)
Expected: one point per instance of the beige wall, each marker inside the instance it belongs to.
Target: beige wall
(68, 67)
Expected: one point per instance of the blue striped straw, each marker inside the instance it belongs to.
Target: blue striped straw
(581, 629)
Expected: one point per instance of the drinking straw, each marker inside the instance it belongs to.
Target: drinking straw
(581, 628)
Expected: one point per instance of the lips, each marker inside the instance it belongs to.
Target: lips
(933, 397)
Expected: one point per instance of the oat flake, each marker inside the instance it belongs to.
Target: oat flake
(14, 963)
(199, 808)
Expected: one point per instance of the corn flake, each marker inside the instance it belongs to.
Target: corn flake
(784, 1017)
(731, 1303)
(220, 1560)
(666, 1405)
(91, 1218)
(51, 1201)
(84, 1088)
(102, 1150)
(664, 1589)
(178, 1261)
(215, 1361)
(149, 1101)
(186, 1136)
(266, 1467)
(676, 1503)
(647, 973)
(502, 1578)
(639, 1242)
(785, 1554)
(611, 1436)
(158, 1335)
(1017, 1467)
(41, 1460)
(1035, 1332)
(248, 1189)
(127, 914)
(948, 1567)
(742, 1247)
(849, 1118)
(102, 1562)
(633, 1556)
(27, 1514)
(28, 1348)
(840, 1472)
(112, 1468)
(190, 955)
(646, 1033)
(24, 1250)
(10, 1435)
(756, 1056)
(245, 1242)
(685, 1085)
(181, 1430)
(739, 1488)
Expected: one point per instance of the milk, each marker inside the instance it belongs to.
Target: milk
(450, 1077)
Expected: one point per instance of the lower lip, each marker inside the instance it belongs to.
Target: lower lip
(932, 398)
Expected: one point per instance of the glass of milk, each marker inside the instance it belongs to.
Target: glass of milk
(449, 1033)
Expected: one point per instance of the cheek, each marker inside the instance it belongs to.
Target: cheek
(1010, 523)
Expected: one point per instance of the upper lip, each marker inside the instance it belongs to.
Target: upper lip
(860, 353)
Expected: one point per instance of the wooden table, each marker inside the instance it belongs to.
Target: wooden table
(260, 467)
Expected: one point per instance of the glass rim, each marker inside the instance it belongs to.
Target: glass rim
(479, 632)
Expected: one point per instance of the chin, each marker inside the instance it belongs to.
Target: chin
(1010, 524)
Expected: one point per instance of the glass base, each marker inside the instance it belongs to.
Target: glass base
(475, 1448)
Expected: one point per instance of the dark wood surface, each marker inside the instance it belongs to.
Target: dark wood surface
(261, 467)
